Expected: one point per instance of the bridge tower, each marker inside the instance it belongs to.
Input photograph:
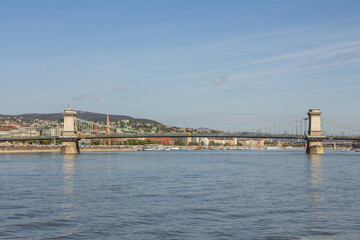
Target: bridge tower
(69, 139)
(314, 138)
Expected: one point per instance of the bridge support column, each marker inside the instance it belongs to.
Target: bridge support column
(314, 146)
(69, 146)
(69, 140)
(314, 138)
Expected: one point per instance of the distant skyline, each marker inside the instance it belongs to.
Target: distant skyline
(216, 64)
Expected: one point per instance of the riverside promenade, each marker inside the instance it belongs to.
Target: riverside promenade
(57, 148)
(30, 149)
(112, 148)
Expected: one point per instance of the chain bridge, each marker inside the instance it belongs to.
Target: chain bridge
(312, 128)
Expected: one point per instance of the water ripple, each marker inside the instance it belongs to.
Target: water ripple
(180, 195)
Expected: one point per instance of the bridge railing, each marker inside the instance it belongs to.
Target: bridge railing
(333, 128)
(297, 127)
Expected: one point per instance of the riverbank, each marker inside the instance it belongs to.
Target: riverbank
(30, 149)
(57, 148)
(107, 148)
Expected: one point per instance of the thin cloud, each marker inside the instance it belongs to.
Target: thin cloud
(344, 56)
(196, 49)
(321, 53)
(86, 96)
(120, 89)
(94, 97)
(308, 62)
(302, 92)
(220, 79)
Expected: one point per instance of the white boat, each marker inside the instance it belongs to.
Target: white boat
(345, 149)
(153, 148)
(234, 148)
(272, 148)
(146, 148)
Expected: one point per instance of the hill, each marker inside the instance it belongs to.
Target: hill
(90, 116)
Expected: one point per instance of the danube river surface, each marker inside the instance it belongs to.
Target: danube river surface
(181, 195)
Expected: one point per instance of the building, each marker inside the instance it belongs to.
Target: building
(161, 140)
(55, 131)
(4, 130)
(247, 142)
(203, 130)
(224, 141)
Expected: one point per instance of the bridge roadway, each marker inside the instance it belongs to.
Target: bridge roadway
(178, 135)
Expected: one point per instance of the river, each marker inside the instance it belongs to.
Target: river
(180, 195)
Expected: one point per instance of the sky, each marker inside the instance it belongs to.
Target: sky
(218, 64)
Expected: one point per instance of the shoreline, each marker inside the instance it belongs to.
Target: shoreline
(57, 148)
(32, 149)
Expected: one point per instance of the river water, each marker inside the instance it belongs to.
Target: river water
(180, 195)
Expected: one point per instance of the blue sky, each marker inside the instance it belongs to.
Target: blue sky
(219, 64)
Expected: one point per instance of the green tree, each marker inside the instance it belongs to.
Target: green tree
(45, 142)
(193, 144)
(179, 143)
(95, 142)
(212, 143)
(267, 142)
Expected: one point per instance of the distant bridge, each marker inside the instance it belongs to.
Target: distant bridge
(308, 129)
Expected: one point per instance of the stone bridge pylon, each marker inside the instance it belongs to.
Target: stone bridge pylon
(69, 139)
(314, 138)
